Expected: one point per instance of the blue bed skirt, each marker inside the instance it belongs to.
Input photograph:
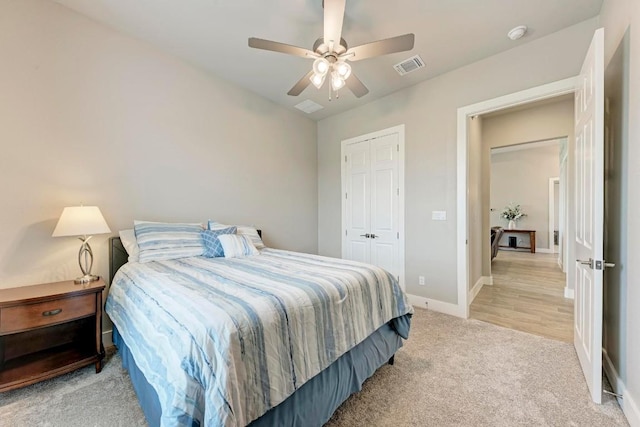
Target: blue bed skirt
(314, 403)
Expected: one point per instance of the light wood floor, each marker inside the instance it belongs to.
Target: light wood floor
(527, 295)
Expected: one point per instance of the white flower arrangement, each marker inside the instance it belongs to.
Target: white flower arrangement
(512, 212)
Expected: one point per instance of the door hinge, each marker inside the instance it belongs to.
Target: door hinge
(397, 235)
(398, 191)
(345, 159)
(346, 232)
(345, 196)
(398, 146)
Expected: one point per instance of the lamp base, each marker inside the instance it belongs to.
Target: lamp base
(87, 278)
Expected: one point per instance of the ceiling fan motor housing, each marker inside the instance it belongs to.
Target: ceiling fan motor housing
(322, 49)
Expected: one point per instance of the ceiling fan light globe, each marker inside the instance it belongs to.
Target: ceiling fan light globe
(337, 82)
(317, 80)
(343, 69)
(321, 66)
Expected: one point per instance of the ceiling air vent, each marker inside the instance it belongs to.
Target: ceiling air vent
(308, 106)
(409, 65)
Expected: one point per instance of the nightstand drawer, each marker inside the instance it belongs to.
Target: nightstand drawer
(21, 317)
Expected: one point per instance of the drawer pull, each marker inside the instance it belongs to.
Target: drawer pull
(52, 312)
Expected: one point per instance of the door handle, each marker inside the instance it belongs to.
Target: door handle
(366, 235)
(373, 236)
(583, 262)
(597, 265)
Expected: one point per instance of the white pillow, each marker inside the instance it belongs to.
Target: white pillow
(245, 230)
(236, 246)
(168, 240)
(128, 239)
(252, 232)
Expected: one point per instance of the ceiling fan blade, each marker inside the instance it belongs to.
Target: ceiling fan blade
(301, 85)
(381, 47)
(333, 17)
(280, 47)
(356, 86)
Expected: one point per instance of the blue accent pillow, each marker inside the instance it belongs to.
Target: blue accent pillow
(212, 246)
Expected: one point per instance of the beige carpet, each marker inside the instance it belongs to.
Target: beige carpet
(451, 372)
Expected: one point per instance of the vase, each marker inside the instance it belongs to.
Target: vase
(511, 225)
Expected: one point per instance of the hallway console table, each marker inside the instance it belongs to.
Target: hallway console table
(532, 239)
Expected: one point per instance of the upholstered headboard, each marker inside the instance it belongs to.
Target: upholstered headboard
(118, 255)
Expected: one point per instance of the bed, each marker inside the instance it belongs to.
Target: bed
(281, 338)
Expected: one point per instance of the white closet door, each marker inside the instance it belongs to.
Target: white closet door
(384, 202)
(358, 202)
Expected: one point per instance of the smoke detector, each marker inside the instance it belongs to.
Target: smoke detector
(517, 32)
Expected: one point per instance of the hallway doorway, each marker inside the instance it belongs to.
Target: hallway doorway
(527, 295)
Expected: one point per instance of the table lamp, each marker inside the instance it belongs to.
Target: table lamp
(83, 222)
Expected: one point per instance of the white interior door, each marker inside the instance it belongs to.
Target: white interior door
(372, 200)
(589, 197)
(563, 215)
(384, 202)
(357, 198)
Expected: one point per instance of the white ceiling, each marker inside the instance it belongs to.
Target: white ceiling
(449, 34)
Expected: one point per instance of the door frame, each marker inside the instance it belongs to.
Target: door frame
(552, 213)
(550, 90)
(399, 130)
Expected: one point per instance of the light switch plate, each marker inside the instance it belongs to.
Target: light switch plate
(439, 215)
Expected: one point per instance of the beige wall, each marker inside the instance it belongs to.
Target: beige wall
(522, 177)
(88, 115)
(429, 112)
(542, 122)
(622, 284)
(539, 122)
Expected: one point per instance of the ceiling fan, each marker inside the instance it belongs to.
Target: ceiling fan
(331, 53)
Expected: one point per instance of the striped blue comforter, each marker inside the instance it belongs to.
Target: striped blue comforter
(224, 340)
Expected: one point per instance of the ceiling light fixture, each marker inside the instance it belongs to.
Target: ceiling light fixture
(330, 51)
(337, 82)
(318, 80)
(321, 66)
(517, 32)
(338, 69)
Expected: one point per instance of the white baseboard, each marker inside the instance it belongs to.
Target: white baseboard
(107, 338)
(435, 305)
(545, 251)
(568, 293)
(627, 403)
(612, 374)
(631, 409)
(484, 280)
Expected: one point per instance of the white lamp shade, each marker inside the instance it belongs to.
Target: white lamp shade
(337, 82)
(317, 80)
(321, 66)
(343, 69)
(81, 221)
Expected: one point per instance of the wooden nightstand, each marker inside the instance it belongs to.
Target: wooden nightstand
(48, 330)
